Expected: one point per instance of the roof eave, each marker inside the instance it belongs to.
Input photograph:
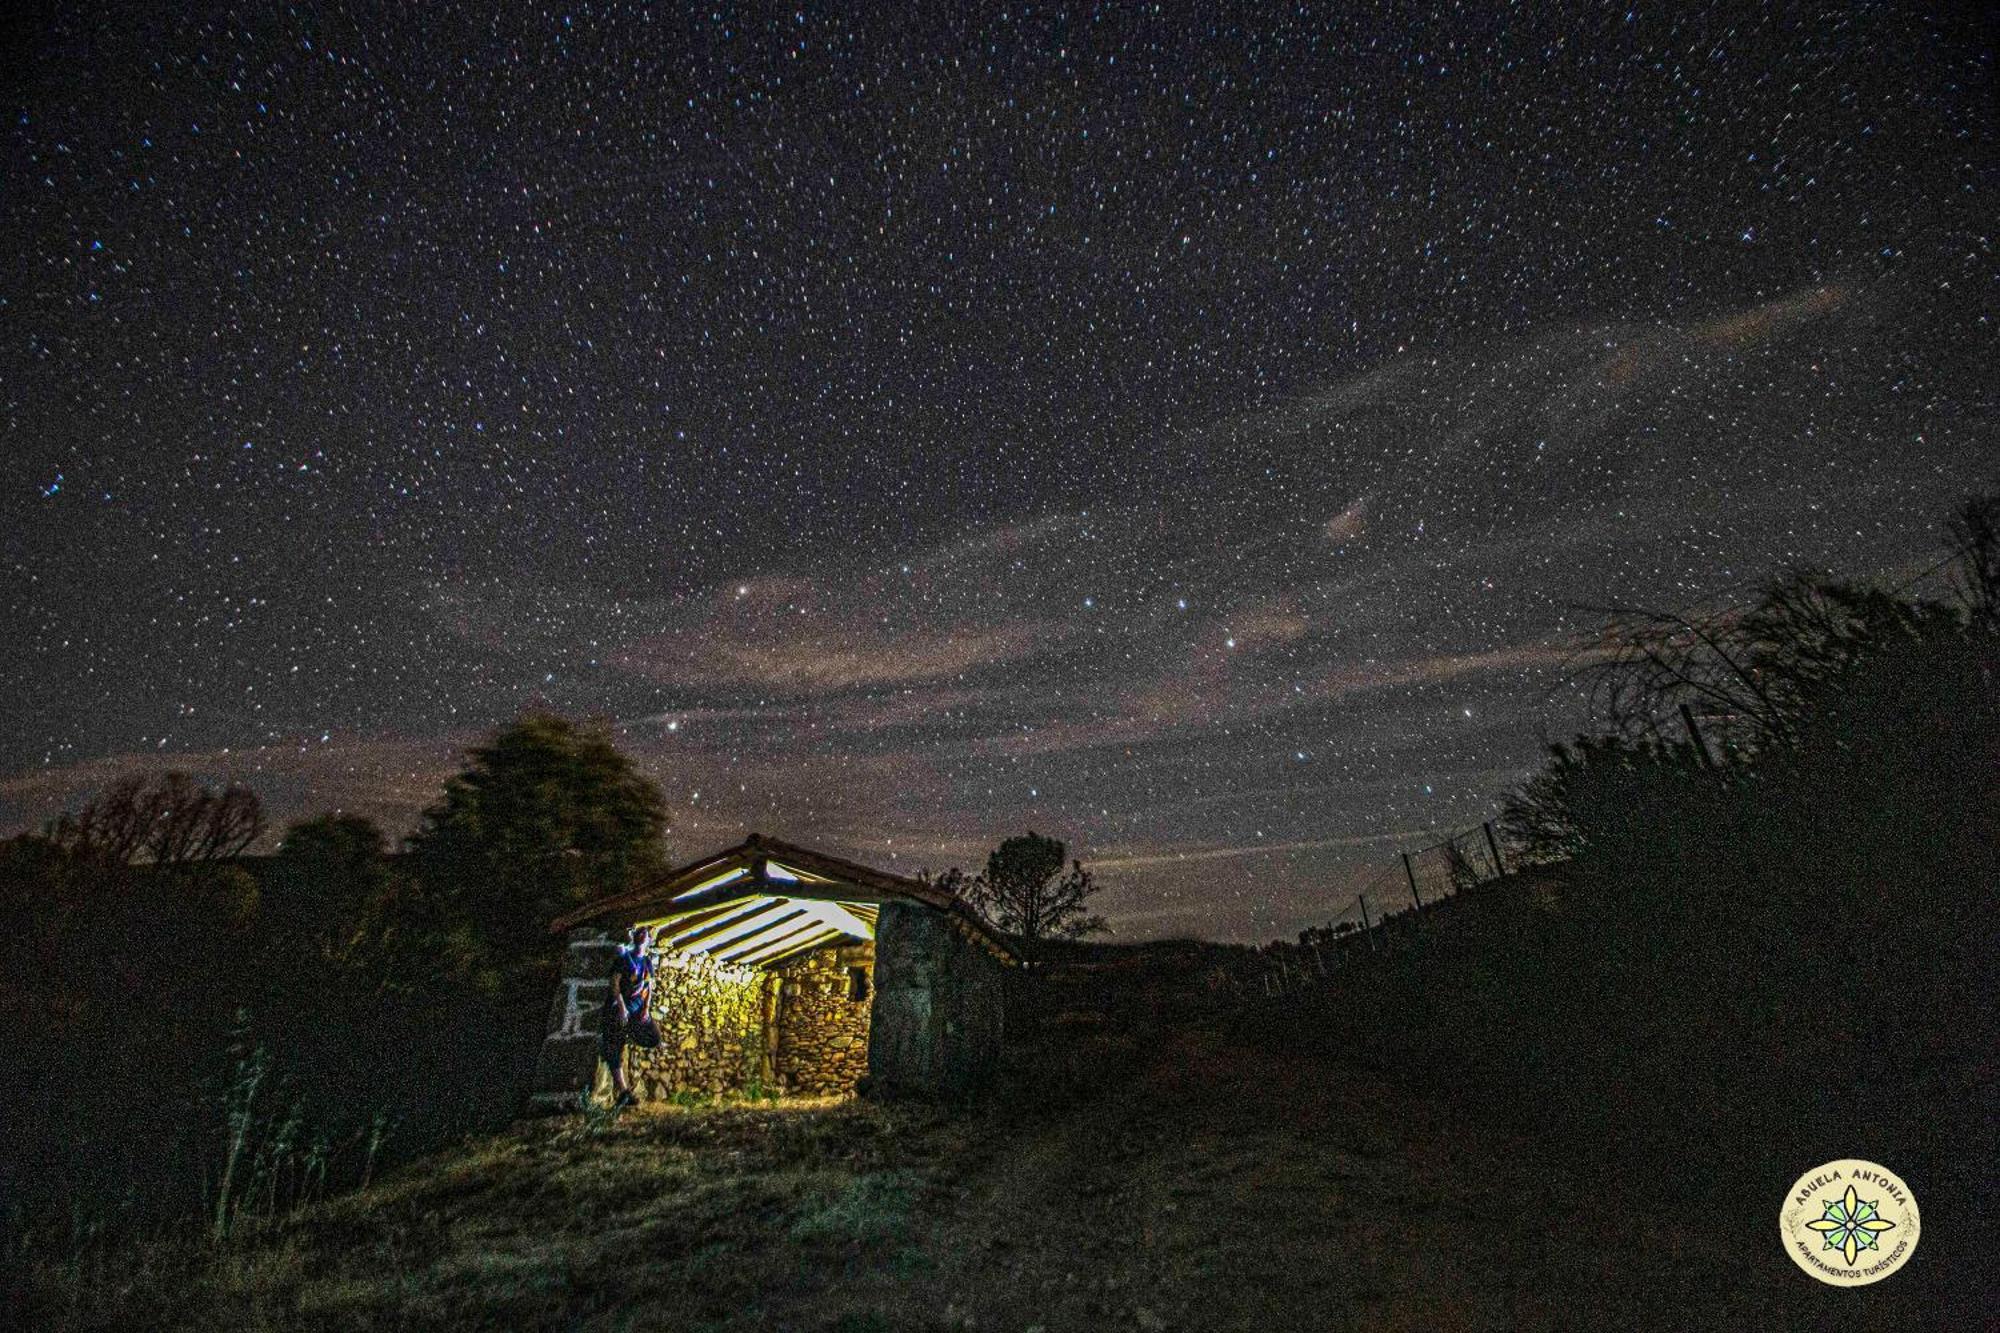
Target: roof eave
(753, 850)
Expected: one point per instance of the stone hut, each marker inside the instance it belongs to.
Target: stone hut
(781, 969)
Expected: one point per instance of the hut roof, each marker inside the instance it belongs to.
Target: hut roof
(763, 901)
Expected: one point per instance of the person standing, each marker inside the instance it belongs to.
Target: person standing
(626, 1005)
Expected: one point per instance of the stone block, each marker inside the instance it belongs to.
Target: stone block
(939, 1006)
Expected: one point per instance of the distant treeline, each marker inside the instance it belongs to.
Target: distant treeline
(193, 1032)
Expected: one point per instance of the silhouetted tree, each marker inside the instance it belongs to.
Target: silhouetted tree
(546, 816)
(1805, 685)
(1593, 791)
(328, 882)
(1752, 675)
(335, 843)
(953, 881)
(171, 822)
(197, 827)
(1975, 536)
(1026, 891)
(1459, 868)
(108, 831)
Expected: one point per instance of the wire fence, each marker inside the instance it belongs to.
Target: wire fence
(1389, 910)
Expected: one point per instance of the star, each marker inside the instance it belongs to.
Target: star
(804, 383)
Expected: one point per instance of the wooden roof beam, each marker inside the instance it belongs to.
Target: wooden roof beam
(722, 946)
(743, 953)
(819, 941)
(727, 927)
(679, 923)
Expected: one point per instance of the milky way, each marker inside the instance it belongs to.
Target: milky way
(1199, 439)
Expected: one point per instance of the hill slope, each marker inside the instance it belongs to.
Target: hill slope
(1158, 1175)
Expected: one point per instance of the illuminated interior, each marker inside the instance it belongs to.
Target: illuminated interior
(753, 929)
(763, 980)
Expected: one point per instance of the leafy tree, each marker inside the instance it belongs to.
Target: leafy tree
(347, 846)
(545, 816)
(1593, 792)
(1025, 891)
(330, 877)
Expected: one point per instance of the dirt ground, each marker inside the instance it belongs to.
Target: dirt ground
(1224, 1190)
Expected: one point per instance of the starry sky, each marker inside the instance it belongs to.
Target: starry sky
(1201, 433)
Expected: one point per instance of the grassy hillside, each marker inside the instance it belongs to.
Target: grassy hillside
(1145, 1167)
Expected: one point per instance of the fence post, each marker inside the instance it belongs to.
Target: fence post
(1367, 926)
(1412, 875)
(1493, 846)
(1694, 734)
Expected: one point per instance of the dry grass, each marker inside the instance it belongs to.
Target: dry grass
(662, 1218)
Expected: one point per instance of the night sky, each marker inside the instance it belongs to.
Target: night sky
(1198, 437)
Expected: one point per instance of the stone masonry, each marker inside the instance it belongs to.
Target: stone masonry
(714, 1023)
(940, 1005)
(822, 1037)
(568, 1065)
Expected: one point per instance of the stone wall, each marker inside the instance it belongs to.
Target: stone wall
(822, 1037)
(571, 1057)
(940, 1005)
(714, 1022)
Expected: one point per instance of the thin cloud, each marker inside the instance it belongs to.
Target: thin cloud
(1114, 861)
(827, 659)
